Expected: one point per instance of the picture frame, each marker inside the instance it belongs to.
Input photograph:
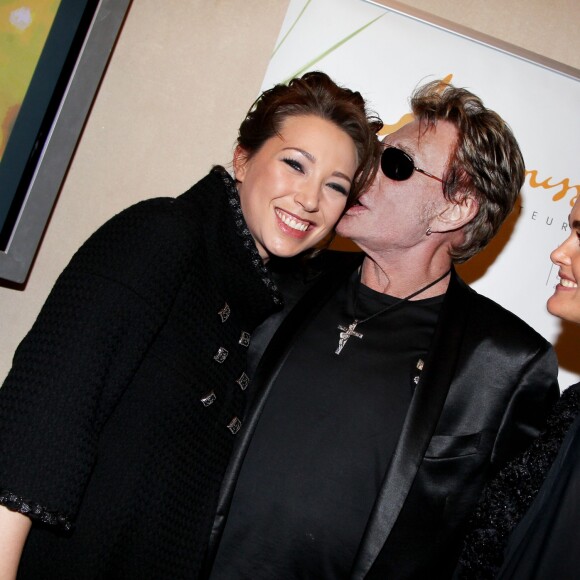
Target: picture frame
(478, 37)
(48, 126)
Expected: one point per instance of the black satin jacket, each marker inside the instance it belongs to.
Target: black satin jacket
(483, 395)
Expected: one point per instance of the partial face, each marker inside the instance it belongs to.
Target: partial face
(396, 214)
(565, 302)
(294, 188)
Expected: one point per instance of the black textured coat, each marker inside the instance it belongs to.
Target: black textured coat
(118, 417)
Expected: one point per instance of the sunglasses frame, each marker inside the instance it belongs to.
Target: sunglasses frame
(412, 163)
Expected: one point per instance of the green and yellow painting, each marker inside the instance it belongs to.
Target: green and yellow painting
(24, 28)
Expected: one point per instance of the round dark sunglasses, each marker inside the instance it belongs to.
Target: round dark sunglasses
(399, 165)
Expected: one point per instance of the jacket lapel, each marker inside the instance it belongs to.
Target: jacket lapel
(420, 422)
(266, 373)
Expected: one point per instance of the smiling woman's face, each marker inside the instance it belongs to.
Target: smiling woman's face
(294, 188)
(565, 302)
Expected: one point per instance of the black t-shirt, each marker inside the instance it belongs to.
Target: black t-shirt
(324, 441)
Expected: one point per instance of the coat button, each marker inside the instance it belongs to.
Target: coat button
(234, 425)
(221, 355)
(208, 399)
(225, 312)
(243, 381)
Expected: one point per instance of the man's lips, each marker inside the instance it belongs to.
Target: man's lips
(357, 207)
(361, 200)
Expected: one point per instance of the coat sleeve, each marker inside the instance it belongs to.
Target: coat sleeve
(529, 405)
(72, 367)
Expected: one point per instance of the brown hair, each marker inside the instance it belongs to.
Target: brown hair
(315, 93)
(486, 163)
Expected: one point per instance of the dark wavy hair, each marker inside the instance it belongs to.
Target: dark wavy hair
(486, 163)
(315, 93)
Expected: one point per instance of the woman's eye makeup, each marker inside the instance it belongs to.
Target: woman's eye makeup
(339, 188)
(298, 166)
(294, 164)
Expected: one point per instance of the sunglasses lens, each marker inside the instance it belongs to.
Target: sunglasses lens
(396, 164)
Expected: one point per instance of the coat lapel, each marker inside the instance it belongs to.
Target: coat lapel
(420, 422)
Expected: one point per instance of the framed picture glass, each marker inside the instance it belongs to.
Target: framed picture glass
(53, 54)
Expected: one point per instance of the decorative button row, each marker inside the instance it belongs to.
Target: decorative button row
(220, 356)
(224, 314)
(243, 381)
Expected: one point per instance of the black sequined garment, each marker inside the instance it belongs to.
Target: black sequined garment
(508, 497)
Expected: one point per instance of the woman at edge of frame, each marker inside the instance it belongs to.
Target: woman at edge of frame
(527, 522)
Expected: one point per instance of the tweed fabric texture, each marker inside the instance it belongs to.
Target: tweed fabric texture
(104, 439)
(508, 496)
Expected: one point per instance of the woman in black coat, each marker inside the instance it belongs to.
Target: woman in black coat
(527, 525)
(119, 415)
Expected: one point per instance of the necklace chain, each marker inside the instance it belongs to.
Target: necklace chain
(399, 302)
(347, 332)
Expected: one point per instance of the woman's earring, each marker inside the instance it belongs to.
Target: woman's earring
(428, 232)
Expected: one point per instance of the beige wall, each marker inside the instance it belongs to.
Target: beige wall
(181, 78)
(546, 27)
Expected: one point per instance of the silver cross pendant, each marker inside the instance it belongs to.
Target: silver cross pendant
(345, 334)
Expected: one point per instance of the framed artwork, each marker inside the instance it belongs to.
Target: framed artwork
(53, 54)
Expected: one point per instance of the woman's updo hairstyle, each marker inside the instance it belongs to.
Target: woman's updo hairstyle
(315, 93)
